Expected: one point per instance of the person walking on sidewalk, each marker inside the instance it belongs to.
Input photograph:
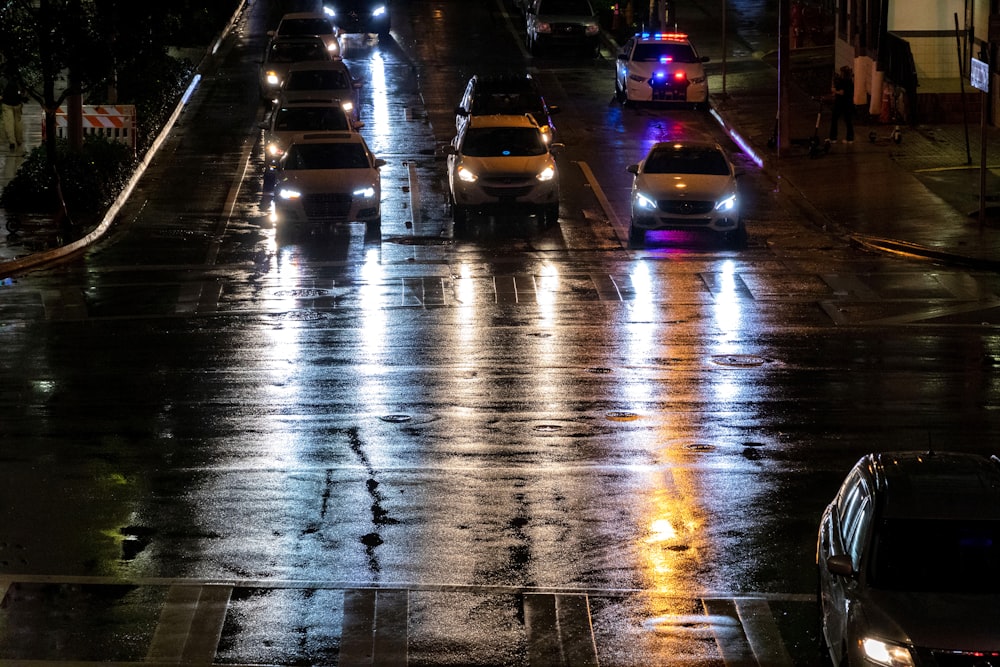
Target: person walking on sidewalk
(11, 104)
(843, 103)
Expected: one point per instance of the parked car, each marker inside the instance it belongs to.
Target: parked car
(503, 163)
(359, 16)
(309, 81)
(908, 555)
(281, 54)
(506, 93)
(685, 185)
(326, 179)
(660, 67)
(566, 24)
(309, 24)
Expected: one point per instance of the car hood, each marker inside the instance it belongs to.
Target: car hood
(498, 167)
(323, 181)
(695, 186)
(935, 620)
(646, 69)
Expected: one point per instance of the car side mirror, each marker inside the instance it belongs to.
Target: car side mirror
(622, 56)
(356, 84)
(450, 150)
(263, 125)
(459, 111)
(840, 565)
(557, 148)
(632, 169)
(357, 124)
(379, 162)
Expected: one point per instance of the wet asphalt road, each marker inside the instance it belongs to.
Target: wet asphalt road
(511, 445)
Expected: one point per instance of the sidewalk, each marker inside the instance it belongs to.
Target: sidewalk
(919, 197)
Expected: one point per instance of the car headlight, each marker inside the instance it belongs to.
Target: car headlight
(274, 150)
(592, 30)
(542, 26)
(289, 193)
(465, 175)
(272, 78)
(636, 78)
(329, 11)
(348, 107)
(644, 202)
(546, 174)
(333, 48)
(727, 204)
(366, 193)
(884, 653)
(379, 11)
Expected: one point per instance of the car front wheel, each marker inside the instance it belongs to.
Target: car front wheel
(636, 236)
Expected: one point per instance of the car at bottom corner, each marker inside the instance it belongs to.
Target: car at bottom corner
(660, 67)
(326, 179)
(908, 559)
(502, 163)
(685, 186)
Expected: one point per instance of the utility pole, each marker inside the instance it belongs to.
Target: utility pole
(784, 26)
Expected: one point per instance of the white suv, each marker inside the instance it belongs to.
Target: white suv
(503, 162)
(660, 67)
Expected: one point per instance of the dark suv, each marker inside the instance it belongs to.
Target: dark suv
(359, 16)
(909, 561)
(505, 93)
(570, 24)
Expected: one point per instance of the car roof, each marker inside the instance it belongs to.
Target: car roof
(687, 144)
(505, 81)
(503, 120)
(292, 16)
(329, 138)
(935, 485)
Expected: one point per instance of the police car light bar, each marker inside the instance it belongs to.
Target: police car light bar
(661, 35)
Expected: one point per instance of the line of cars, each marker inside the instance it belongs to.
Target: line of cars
(319, 169)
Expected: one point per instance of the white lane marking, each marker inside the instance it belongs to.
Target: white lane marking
(414, 183)
(190, 624)
(230, 205)
(599, 193)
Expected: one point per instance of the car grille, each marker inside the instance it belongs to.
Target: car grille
(327, 207)
(567, 30)
(506, 187)
(685, 206)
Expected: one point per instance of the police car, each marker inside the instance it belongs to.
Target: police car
(660, 67)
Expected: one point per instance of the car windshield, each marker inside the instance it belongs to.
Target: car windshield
(317, 80)
(305, 27)
(687, 161)
(654, 53)
(570, 7)
(327, 156)
(940, 556)
(293, 52)
(291, 119)
(503, 142)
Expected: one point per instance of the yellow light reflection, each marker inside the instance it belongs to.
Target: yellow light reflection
(546, 286)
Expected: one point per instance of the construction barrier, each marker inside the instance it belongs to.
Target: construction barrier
(116, 122)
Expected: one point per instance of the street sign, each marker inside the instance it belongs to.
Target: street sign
(980, 74)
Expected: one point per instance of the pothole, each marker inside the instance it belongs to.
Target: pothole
(396, 419)
(621, 415)
(739, 360)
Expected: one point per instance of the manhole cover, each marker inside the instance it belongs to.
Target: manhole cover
(302, 315)
(621, 416)
(599, 370)
(306, 293)
(547, 428)
(416, 240)
(700, 447)
(395, 419)
(739, 360)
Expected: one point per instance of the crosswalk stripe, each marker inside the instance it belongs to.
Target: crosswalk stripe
(729, 636)
(190, 624)
(559, 630)
(762, 633)
(374, 628)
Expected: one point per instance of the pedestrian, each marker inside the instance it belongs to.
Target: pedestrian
(843, 103)
(11, 104)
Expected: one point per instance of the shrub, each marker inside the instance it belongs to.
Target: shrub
(90, 179)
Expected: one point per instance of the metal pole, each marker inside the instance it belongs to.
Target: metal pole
(723, 49)
(784, 124)
(961, 86)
